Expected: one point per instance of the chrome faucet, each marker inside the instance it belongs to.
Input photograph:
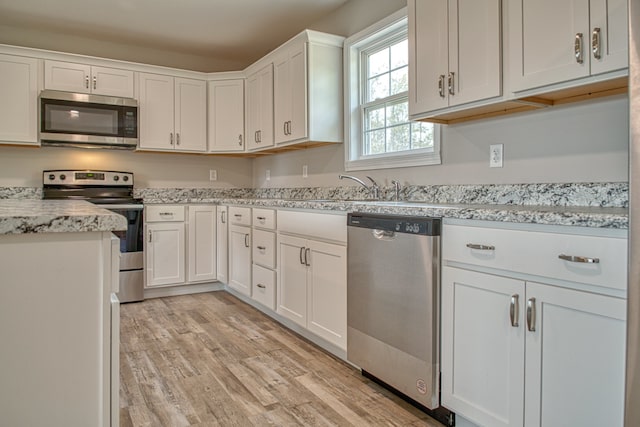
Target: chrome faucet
(396, 188)
(374, 190)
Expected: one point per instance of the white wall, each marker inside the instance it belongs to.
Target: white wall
(22, 167)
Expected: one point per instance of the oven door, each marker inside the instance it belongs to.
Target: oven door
(132, 252)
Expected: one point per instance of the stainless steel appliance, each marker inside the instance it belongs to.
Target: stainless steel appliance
(113, 191)
(632, 408)
(393, 303)
(88, 121)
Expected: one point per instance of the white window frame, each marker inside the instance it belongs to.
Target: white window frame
(353, 120)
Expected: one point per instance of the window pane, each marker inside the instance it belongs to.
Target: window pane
(374, 118)
(400, 54)
(378, 87)
(398, 138)
(400, 80)
(422, 135)
(397, 113)
(374, 142)
(378, 63)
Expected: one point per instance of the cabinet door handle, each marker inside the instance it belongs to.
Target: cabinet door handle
(301, 255)
(577, 47)
(246, 240)
(171, 138)
(284, 128)
(514, 308)
(481, 247)
(531, 314)
(95, 82)
(307, 254)
(595, 43)
(86, 82)
(150, 238)
(261, 286)
(261, 248)
(177, 139)
(451, 83)
(260, 136)
(240, 140)
(441, 85)
(289, 127)
(255, 136)
(582, 259)
(223, 217)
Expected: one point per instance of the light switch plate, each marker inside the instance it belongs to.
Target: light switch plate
(305, 171)
(495, 156)
(268, 175)
(213, 175)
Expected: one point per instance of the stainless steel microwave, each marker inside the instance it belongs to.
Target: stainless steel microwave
(88, 121)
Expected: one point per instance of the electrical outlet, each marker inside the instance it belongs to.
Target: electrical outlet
(495, 156)
(268, 175)
(305, 171)
(213, 175)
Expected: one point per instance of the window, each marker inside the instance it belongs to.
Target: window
(379, 133)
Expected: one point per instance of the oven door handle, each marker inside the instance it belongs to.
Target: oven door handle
(122, 207)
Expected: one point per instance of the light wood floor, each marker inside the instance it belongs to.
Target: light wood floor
(212, 360)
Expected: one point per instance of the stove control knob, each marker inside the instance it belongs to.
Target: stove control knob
(125, 178)
(51, 177)
(63, 177)
(116, 178)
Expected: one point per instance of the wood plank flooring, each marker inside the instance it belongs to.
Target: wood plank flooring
(212, 360)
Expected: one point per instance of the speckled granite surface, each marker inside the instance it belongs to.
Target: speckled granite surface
(56, 216)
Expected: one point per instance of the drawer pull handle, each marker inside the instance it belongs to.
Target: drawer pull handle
(261, 286)
(166, 213)
(261, 218)
(513, 310)
(481, 247)
(531, 314)
(238, 215)
(262, 248)
(582, 259)
(223, 218)
(246, 240)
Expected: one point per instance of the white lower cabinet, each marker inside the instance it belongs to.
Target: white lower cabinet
(165, 253)
(222, 244)
(201, 248)
(312, 286)
(524, 352)
(240, 259)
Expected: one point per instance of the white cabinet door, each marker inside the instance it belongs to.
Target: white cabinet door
(292, 279)
(19, 100)
(165, 253)
(67, 76)
(609, 22)
(482, 353)
(260, 109)
(222, 243)
(112, 82)
(290, 94)
(455, 53)
(240, 259)
(202, 244)
(327, 291)
(190, 115)
(83, 78)
(575, 358)
(156, 111)
(226, 115)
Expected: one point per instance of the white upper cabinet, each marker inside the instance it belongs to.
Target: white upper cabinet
(19, 100)
(83, 78)
(553, 41)
(454, 53)
(308, 100)
(226, 115)
(172, 113)
(260, 109)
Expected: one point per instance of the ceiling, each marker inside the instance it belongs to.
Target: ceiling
(233, 31)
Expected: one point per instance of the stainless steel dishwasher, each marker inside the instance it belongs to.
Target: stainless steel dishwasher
(393, 302)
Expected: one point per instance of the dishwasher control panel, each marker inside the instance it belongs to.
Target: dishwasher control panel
(424, 226)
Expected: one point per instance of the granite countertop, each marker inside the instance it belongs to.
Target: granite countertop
(56, 216)
(584, 216)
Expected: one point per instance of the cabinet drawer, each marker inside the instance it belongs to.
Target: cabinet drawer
(264, 218)
(537, 253)
(239, 216)
(264, 248)
(264, 286)
(164, 213)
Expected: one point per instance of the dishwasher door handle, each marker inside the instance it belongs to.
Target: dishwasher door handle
(383, 234)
